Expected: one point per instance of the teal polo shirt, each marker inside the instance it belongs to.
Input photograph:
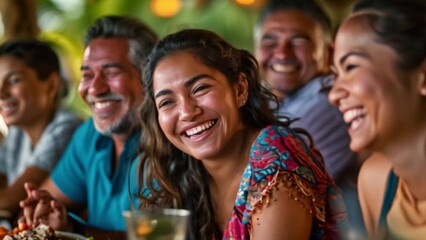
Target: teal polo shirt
(85, 175)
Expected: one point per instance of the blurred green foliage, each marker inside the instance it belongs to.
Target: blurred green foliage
(64, 24)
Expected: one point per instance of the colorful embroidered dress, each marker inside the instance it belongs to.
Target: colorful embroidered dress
(279, 154)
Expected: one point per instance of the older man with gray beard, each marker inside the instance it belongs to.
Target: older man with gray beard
(93, 175)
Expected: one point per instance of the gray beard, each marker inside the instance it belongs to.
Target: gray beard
(123, 126)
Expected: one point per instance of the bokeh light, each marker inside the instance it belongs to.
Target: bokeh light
(245, 2)
(166, 8)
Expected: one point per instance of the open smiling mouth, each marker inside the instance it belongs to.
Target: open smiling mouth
(198, 130)
(354, 117)
(8, 108)
(283, 68)
(100, 105)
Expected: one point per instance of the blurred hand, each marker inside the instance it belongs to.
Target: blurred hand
(28, 205)
(40, 208)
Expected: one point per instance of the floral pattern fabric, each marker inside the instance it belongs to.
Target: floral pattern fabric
(280, 155)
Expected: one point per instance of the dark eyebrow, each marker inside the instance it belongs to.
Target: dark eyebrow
(13, 72)
(10, 74)
(268, 36)
(187, 84)
(195, 79)
(344, 57)
(162, 93)
(301, 35)
(107, 65)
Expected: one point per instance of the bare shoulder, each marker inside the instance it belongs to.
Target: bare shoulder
(371, 187)
(374, 173)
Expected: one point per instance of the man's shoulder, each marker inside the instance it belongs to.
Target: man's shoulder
(319, 85)
(83, 145)
(321, 113)
(85, 131)
(315, 104)
(315, 110)
(317, 94)
(312, 94)
(87, 126)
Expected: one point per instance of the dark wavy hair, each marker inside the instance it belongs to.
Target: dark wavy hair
(399, 24)
(182, 180)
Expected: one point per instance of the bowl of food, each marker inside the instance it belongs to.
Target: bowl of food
(41, 232)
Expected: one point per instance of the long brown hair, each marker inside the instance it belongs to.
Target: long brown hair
(168, 176)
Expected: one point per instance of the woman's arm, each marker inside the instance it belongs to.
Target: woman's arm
(283, 218)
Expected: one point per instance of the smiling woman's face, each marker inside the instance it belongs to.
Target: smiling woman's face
(198, 110)
(379, 101)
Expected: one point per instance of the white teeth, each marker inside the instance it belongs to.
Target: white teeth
(102, 105)
(356, 123)
(199, 129)
(8, 108)
(353, 113)
(354, 117)
(284, 68)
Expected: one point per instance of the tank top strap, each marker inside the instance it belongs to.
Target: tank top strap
(391, 187)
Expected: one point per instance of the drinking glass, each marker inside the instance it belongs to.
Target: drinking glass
(164, 224)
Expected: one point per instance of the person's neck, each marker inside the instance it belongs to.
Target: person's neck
(226, 174)
(408, 157)
(233, 161)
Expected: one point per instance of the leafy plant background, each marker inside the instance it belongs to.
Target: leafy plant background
(64, 22)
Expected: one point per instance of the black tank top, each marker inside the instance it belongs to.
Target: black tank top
(390, 191)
